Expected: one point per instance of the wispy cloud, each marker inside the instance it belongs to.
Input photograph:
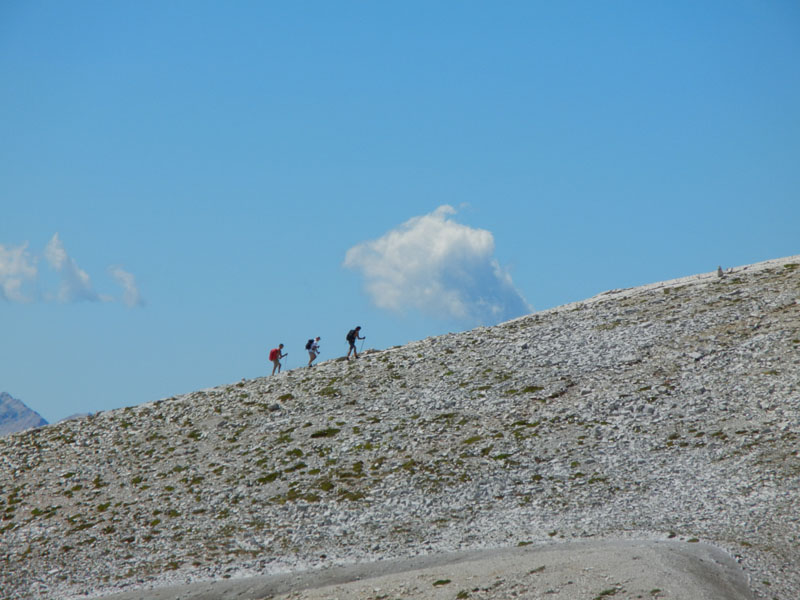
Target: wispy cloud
(20, 279)
(18, 271)
(75, 282)
(130, 296)
(439, 267)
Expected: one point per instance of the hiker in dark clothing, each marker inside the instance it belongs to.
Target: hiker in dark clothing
(352, 336)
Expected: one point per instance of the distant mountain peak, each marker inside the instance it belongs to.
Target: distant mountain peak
(15, 416)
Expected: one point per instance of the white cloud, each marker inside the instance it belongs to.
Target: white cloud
(17, 270)
(440, 267)
(19, 273)
(75, 282)
(131, 296)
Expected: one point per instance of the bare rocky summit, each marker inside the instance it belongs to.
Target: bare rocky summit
(667, 412)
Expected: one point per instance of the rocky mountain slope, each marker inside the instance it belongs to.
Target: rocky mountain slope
(670, 411)
(15, 416)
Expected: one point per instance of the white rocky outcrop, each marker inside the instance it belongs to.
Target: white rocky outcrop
(670, 411)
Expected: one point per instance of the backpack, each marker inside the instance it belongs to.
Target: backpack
(351, 336)
(309, 343)
(273, 354)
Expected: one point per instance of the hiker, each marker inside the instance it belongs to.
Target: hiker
(275, 355)
(313, 350)
(351, 338)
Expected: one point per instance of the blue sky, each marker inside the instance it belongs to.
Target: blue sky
(183, 185)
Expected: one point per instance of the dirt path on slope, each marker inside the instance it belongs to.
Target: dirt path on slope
(573, 570)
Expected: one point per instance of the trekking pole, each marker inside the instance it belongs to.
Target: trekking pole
(362, 344)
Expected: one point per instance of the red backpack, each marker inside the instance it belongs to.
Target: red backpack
(273, 354)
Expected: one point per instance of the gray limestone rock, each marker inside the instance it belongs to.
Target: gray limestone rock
(665, 412)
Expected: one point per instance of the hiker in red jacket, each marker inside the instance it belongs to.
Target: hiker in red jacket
(275, 356)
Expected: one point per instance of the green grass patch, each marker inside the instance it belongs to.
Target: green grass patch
(325, 433)
(269, 478)
(532, 389)
(325, 485)
(607, 593)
